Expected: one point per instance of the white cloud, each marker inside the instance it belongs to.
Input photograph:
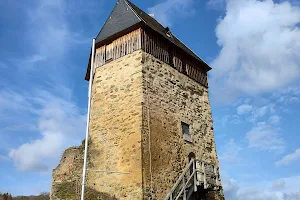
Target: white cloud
(3, 158)
(243, 109)
(49, 29)
(230, 188)
(36, 58)
(262, 112)
(278, 185)
(264, 137)
(50, 35)
(37, 126)
(288, 96)
(228, 119)
(58, 120)
(281, 189)
(274, 119)
(167, 11)
(260, 41)
(13, 101)
(229, 152)
(255, 113)
(292, 195)
(289, 158)
(216, 4)
(30, 62)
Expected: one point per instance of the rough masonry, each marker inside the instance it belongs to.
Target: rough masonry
(138, 104)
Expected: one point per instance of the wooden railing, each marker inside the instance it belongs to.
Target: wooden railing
(186, 183)
(155, 45)
(196, 173)
(120, 47)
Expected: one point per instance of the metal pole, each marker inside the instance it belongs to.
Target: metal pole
(88, 121)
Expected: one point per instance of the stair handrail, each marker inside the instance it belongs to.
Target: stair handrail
(184, 183)
(202, 170)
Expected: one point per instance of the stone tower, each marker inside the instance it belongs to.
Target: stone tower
(151, 124)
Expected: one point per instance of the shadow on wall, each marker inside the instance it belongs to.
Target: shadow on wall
(67, 191)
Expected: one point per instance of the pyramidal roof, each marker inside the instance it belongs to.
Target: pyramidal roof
(121, 18)
(125, 15)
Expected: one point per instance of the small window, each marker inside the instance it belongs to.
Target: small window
(169, 34)
(186, 132)
(185, 128)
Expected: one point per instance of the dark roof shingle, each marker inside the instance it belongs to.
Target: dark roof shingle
(121, 18)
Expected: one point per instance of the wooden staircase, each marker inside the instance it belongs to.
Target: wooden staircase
(197, 178)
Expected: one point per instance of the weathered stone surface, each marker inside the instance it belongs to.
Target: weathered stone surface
(138, 104)
(66, 178)
(170, 98)
(115, 128)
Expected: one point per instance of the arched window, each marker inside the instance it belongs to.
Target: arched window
(191, 155)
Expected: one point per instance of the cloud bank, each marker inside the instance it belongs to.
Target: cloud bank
(260, 43)
(281, 189)
(58, 121)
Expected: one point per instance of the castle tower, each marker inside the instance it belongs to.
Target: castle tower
(151, 128)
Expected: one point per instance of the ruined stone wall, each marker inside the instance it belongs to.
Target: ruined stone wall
(66, 177)
(170, 98)
(115, 128)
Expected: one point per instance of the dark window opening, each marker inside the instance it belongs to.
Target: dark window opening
(186, 131)
(184, 71)
(191, 156)
(184, 67)
(185, 128)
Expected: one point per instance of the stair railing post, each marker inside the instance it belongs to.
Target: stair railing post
(204, 175)
(216, 175)
(195, 176)
(183, 185)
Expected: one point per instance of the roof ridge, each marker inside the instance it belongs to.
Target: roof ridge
(129, 5)
(132, 5)
(120, 18)
(107, 20)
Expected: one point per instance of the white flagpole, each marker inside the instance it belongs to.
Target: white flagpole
(88, 122)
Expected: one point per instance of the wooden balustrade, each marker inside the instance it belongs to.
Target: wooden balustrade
(155, 45)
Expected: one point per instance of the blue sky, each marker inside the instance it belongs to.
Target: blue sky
(253, 47)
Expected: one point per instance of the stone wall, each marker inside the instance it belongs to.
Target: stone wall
(170, 98)
(138, 104)
(115, 128)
